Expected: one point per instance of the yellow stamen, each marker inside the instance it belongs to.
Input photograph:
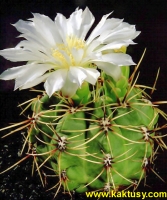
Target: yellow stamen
(65, 49)
(74, 42)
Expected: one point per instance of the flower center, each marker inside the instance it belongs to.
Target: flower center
(65, 53)
(74, 42)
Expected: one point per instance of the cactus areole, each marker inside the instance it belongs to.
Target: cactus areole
(93, 126)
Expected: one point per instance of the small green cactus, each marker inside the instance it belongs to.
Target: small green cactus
(101, 138)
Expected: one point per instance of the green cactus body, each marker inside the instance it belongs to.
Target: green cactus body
(101, 139)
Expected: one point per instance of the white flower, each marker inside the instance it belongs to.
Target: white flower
(59, 54)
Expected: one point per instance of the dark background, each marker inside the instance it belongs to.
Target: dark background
(149, 16)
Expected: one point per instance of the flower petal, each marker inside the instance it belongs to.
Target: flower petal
(46, 28)
(34, 47)
(30, 32)
(35, 82)
(61, 23)
(13, 72)
(123, 33)
(74, 22)
(18, 54)
(77, 55)
(55, 81)
(80, 22)
(114, 45)
(69, 88)
(32, 72)
(119, 59)
(92, 75)
(98, 29)
(92, 46)
(87, 21)
(110, 69)
(77, 75)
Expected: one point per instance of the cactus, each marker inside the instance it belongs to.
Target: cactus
(99, 139)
